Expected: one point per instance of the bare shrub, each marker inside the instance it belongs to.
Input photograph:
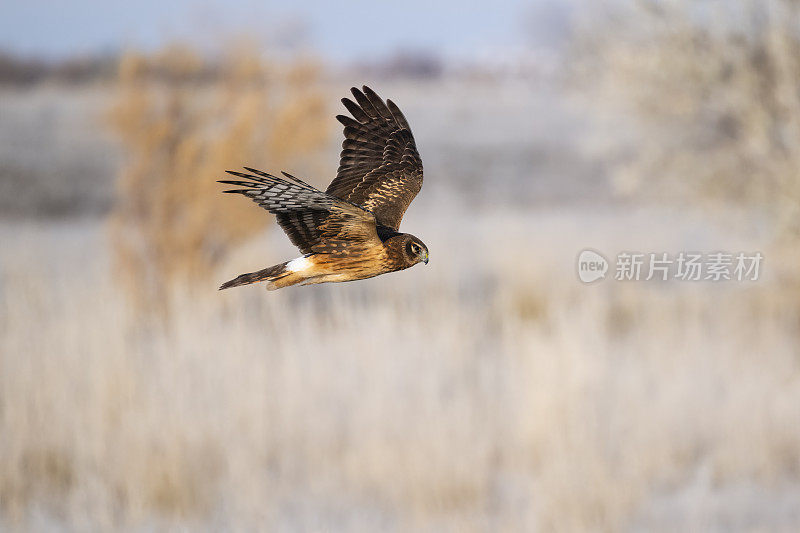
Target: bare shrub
(714, 88)
(183, 121)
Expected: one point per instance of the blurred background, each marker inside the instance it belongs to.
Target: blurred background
(487, 391)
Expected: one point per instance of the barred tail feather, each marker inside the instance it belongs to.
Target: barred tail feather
(270, 274)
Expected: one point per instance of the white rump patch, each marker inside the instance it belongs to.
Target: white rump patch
(299, 264)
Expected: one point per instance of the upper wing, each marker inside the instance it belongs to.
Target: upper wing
(380, 168)
(315, 222)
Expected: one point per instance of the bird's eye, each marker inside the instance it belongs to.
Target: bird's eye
(415, 248)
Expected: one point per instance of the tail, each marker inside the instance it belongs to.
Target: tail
(278, 276)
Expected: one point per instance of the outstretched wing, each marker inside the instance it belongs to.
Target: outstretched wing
(380, 168)
(315, 222)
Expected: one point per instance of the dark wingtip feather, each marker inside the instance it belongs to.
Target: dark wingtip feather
(378, 104)
(241, 175)
(296, 180)
(260, 173)
(349, 121)
(398, 115)
(355, 110)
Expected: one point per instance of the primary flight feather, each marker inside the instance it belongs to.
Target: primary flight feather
(350, 231)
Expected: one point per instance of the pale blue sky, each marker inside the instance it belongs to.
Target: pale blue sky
(342, 30)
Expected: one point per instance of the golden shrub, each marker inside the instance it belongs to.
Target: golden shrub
(182, 121)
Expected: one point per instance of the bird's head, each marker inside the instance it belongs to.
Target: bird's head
(411, 249)
(415, 250)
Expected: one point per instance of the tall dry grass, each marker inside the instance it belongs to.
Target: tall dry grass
(712, 91)
(182, 121)
(488, 393)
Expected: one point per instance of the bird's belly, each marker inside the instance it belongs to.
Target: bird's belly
(334, 269)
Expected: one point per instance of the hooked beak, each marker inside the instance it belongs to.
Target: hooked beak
(425, 258)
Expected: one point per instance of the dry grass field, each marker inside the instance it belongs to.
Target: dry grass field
(487, 391)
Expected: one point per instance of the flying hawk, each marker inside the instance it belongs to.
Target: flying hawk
(350, 231)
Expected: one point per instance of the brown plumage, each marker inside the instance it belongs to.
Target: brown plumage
(348, 232)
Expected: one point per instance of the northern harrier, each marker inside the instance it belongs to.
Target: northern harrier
(348, 232)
